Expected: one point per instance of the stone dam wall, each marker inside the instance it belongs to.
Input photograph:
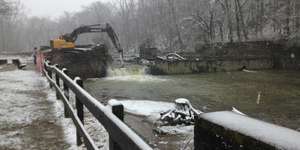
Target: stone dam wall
(261, 55)
(217, 65)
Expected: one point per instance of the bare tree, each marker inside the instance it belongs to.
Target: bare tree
(170, 24)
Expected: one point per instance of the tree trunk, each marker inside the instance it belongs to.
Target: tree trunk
(261, 16)
(238, 32)
(221, 31)
(288, 14)
(177, 30)
(3, 34)
(241, 16)
(211, 26)
(297, 15)
(229, 21)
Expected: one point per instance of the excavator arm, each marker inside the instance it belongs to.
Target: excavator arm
(72, 37)
(68, 40)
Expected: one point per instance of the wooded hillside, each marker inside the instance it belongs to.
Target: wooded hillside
(171, 25)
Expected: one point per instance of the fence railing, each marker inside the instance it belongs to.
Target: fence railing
(120, 135)
(208, 134)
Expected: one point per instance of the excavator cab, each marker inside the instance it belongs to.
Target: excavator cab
(61, 44)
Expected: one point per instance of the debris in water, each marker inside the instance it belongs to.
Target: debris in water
(258, 98)
(249, 71)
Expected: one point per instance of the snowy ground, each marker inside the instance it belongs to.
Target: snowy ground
(30, 116)
(142, 115)
(151, 111)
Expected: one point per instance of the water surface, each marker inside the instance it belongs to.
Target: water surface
(279, 92)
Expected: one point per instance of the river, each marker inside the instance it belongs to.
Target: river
(272, 96)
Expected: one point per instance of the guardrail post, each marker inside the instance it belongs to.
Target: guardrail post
(57, 82)
(79, 108)
(117, 109)
(45, 68)
(51, 77)
(197, 134)
(49, 72)
(66, 92)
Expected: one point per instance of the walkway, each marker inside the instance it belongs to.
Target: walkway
(30, 117)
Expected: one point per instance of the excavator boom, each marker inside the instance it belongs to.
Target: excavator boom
(72, 37)
(68, 40)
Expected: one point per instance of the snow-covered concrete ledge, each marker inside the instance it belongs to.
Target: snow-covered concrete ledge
(3, 61)
(229, 130)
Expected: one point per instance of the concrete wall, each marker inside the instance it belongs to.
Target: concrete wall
(190, 67)
(259, 55)
(227, 130)
(3, 61)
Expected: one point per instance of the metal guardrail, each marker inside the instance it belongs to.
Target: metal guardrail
(120, 135)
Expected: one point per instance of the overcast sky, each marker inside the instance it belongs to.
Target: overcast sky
(54, 8)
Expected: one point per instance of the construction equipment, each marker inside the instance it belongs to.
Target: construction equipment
(67, 41)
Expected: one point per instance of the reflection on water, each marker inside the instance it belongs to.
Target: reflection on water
(279, 92)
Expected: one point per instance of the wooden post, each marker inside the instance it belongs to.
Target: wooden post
(79, 108)
(57, 82)
(66, 92)
(45, 68)
(51, 77)
(197, 136)
(117, 109)
(47, 63)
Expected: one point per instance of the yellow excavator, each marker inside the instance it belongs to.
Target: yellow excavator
(67, 41)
